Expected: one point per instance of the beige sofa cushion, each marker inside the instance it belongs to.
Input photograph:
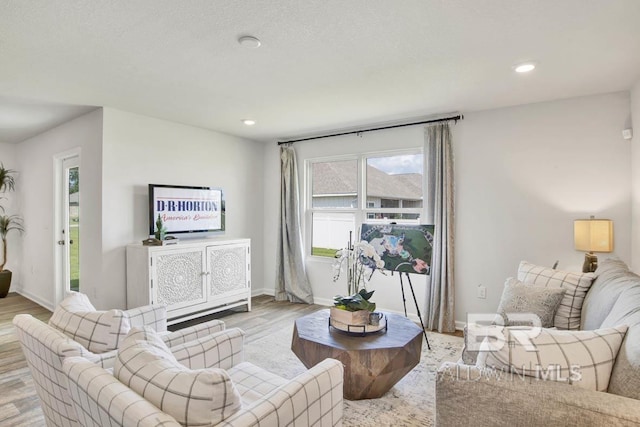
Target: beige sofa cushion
(613, 277)
(581, 358)
(614, 300)
(199, 397)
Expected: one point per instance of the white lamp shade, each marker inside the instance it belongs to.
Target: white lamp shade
(593, 235)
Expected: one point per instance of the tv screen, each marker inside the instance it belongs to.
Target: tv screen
(186, 209)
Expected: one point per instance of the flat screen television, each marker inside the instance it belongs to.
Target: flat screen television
(186, 209)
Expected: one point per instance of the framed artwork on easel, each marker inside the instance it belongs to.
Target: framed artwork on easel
(405, 248)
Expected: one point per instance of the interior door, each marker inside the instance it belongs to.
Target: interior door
(69, 215)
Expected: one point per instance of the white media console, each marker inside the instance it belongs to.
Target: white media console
(193, 278)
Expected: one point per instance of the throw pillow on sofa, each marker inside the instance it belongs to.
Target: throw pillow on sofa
(517, 297)
(193, 397)
(581, 358)
(576, 285)
(97, 331)
(520, 298)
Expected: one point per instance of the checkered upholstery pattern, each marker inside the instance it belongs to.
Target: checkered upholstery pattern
(99, 399)
(576, 286)
(102, 331)
(44, 349)
(313, 398)
(253, 383)
(581, 358)
(154, 316)
(222, 350)
(83, 393)
(191, 333)
(193, 397)
(98, 331)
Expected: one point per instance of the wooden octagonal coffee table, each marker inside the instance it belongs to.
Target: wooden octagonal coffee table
(372, 364)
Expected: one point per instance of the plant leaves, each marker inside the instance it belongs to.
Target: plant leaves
(355, 302)
(365, 295)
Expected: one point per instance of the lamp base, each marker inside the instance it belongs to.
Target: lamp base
(590, 263)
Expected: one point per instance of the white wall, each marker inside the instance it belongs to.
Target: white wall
(35, 163)
(139, 150)
(10, 201)
(635, 169)
(522, 175)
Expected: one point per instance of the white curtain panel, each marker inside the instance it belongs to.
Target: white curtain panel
(291, 282)
(440, 293)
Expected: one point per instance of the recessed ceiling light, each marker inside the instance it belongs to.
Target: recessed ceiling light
(525, 67)
(249, 122)
(250, 42)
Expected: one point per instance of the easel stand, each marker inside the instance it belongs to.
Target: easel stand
(404, 302)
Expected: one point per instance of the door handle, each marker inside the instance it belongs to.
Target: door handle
(71, 242)
(61, 242)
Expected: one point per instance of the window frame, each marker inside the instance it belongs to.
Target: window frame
(361, 210)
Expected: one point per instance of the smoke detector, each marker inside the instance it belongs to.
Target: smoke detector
(249, 42)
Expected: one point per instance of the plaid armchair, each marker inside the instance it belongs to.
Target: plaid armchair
(313, 398)
(45, 348)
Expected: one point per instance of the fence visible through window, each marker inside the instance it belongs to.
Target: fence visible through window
(392, 185)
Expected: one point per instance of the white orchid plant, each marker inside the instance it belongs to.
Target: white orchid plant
(360, 260)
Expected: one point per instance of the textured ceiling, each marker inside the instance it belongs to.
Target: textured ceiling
(323, 65)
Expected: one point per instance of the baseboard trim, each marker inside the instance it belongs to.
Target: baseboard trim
(323, 301)
(35, 299)
(258, 292)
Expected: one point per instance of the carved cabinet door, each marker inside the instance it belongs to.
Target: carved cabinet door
(229, 270)
(179, 278)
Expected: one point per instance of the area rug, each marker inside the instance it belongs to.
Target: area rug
(411, 402)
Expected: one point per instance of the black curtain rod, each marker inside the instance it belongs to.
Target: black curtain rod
(444, 119)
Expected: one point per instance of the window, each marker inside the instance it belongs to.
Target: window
(373, 188)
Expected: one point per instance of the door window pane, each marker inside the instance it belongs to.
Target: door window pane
(74, 229)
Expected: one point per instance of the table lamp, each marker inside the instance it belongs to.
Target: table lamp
(592, 235)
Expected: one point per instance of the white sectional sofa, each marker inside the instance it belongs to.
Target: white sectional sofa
(475, 398)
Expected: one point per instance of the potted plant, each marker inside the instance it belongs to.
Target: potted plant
(360, 261)
(8, 223)
(353, 309)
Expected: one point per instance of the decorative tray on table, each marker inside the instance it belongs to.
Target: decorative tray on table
(359, 329)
